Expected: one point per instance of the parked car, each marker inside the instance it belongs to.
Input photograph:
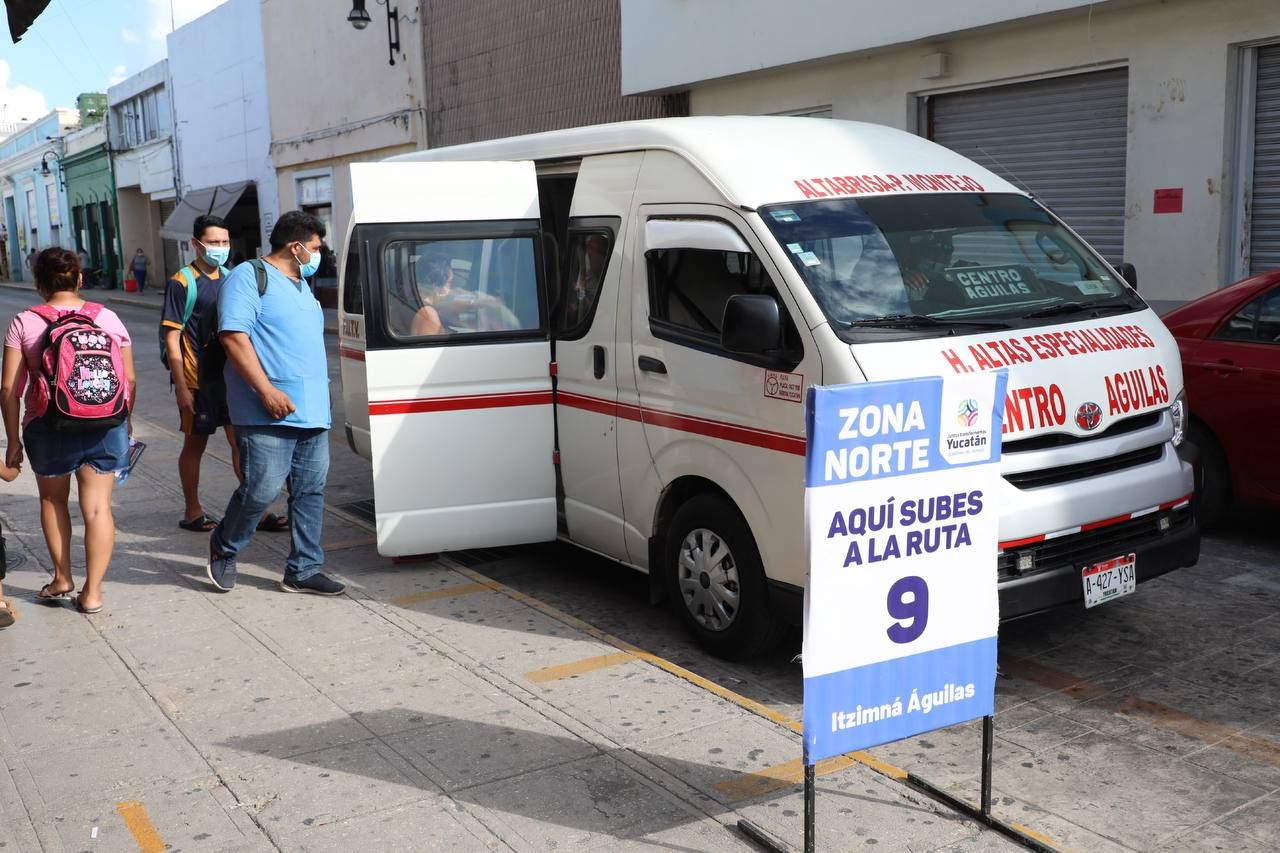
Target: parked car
(1230, 346)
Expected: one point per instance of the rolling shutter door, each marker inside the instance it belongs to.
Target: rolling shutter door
(1063, 139)
(1264, 222)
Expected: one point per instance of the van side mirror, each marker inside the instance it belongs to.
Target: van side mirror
(1129, 274)
(752, 324)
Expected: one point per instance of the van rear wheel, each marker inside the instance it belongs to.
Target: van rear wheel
(716, 582)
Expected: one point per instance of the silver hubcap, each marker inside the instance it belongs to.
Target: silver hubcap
(708, 578)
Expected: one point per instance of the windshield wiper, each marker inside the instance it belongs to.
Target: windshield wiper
(915, 321)
(1096, 308)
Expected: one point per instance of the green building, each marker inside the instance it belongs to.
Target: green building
(91, 197)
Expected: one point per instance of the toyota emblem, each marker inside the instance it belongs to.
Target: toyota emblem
(1088, 416)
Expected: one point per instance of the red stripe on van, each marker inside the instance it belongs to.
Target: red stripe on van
(698, 426)
(1094, 525)
(348, 352)
(455, 404)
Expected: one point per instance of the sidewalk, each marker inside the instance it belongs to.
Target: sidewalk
(427, 709)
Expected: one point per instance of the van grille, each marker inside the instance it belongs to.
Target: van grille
(1044, 442)
(1093, 545)
(1083, 470)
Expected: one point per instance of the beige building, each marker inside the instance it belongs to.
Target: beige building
(336, 100)
(1151, 126)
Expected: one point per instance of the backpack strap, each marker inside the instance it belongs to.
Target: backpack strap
(260, 272)
(190, 278)
(90, 310)
(45, 312)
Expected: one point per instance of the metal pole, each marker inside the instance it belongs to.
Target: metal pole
(988, 735)
(810, 807)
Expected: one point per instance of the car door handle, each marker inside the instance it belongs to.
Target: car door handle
(1221, 366)
(597, 361)
(649, 364)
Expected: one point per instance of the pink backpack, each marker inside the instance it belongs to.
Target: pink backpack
(82, 384)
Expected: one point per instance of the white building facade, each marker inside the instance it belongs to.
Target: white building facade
(33, 198)
(222, 129)
(1151, 126)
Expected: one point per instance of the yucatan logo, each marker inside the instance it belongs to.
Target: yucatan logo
(967, 413)
(1088, 416)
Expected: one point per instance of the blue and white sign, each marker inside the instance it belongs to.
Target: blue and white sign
(901, 607)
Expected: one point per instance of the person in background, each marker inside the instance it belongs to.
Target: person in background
(8, 615)
(31, 262)
(277, 377)
(92, 456)
(139, 266)
(200, 411)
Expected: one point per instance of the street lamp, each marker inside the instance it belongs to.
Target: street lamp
(46, 171)
(359, 18)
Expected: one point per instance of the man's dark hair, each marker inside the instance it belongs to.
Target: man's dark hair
(204, 222)
(296, 226)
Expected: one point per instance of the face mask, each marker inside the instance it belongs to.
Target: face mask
(215, 255)
(309, 268)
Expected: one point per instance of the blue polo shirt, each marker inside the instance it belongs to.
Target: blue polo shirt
(286, 328)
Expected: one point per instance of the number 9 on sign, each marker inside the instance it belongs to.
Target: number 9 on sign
(909, 604)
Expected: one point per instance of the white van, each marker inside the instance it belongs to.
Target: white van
(605, 335)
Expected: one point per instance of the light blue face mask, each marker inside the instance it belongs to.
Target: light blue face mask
(309, 268)
(215, 255)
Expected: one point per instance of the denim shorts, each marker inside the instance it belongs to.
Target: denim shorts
(62, 452)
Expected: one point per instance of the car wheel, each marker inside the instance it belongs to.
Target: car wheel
(716, 580)
(1214, 480)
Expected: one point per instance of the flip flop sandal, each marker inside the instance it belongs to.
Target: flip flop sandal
(82, 608)
(8, 615)
(203, 524)
(46, 597)
(273, 523)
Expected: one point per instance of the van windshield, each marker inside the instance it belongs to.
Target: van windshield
(929, 263)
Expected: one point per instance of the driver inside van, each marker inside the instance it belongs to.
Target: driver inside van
(924, 261)
(446, 308)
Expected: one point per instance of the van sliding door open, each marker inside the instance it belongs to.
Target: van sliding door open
(457, 355)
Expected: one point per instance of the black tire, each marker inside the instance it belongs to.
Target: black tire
(1213, 480)
(725, 603)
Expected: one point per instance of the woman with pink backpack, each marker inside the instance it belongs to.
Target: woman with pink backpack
(75, 360)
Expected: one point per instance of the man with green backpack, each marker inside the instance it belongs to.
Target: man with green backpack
(192, 293)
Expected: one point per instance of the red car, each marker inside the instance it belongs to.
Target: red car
(1230, 345)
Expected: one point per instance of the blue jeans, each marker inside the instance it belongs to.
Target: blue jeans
(271, 457)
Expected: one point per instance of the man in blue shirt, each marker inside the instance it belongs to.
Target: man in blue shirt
(277, 379)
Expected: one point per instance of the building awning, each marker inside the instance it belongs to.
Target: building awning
(217, 201)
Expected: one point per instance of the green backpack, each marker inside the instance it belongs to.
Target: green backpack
(189, 277)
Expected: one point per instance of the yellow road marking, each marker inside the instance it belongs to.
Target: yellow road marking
(751, 785)
(568, 670)
(139, 826)
(446, 592)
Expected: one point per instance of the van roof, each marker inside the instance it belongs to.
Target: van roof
(757, 160)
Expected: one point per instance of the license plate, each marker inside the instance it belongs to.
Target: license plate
(1109, 580)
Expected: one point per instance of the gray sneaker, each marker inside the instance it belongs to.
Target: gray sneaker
(317, 584)
(222, 572)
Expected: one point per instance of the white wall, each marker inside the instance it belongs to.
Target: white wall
(669, 44)
(1180, 55)
(218, 91)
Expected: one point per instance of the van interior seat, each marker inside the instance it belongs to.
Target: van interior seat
(698, 290)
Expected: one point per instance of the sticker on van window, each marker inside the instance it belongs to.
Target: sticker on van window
(784, 386)
(795, 248)
(1092, 288)
(982, 285)
(809, 259)
(784, 216)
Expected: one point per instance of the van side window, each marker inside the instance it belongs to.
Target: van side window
(689, 288)
(588, 260)
(460, 287)
(352, 295)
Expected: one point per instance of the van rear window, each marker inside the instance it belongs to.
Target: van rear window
(960, 258)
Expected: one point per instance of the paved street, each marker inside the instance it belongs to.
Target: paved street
(530, 699)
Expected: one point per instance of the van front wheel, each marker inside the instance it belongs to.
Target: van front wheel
(716, 580)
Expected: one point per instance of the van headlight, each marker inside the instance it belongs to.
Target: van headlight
(1179, 412)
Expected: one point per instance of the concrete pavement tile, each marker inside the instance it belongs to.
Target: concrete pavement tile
(586, 804)
(705, 835)
(525, 639)
(184, 612)
(458, 753)
(642, 706)
(368, 662)
(1045, 732)
(124, 765)
(211, 648)
(242, 736)
(183, 818)
(1251, 756)
(72, 714)
(713, 754)
(432, 823)
(397, 705)
(1060, 830)
(1111, 804)
(230, 685)
(1217, 839)
(949, 758)
(325, 786)
(26, 667)
(1257, 820)
(387, 580)
(316, 622)
(985, 841)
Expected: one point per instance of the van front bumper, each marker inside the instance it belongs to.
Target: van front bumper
(1161, 542)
